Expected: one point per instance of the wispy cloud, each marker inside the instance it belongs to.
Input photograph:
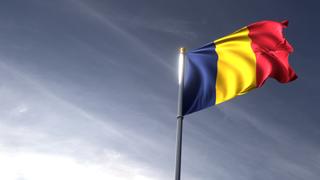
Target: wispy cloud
(41, 131)
(32, 165)
(176, 27)
(130, 38)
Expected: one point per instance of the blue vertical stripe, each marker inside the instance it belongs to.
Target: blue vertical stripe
(200, 79)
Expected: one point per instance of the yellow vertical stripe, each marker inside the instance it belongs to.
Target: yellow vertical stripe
(236, 72)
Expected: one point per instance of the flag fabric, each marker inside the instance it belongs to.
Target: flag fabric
(236, 64)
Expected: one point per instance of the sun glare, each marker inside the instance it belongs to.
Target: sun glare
(181, 64)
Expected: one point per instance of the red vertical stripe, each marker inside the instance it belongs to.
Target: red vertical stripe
(272, 51)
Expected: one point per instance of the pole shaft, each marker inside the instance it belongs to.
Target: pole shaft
(179, 115)
(179, 147)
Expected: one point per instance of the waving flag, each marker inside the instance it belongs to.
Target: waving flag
(236, 64)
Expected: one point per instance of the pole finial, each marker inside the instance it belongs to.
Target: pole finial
(182, 50)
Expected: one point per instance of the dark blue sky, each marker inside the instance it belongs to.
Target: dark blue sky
(88, 90)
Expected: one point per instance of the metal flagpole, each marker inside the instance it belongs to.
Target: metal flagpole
(179, 114)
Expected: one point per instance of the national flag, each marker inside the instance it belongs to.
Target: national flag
(236, 64)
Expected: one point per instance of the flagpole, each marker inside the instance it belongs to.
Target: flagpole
(179, 114)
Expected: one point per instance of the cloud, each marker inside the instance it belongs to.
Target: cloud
(130, 38)
(39, 166)
(45, 137)
(176, 27)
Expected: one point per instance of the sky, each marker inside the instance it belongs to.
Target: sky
(88, 90)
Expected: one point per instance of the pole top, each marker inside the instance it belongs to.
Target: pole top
(182, 50)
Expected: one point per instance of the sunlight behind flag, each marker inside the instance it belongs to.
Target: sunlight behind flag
(181, 64)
